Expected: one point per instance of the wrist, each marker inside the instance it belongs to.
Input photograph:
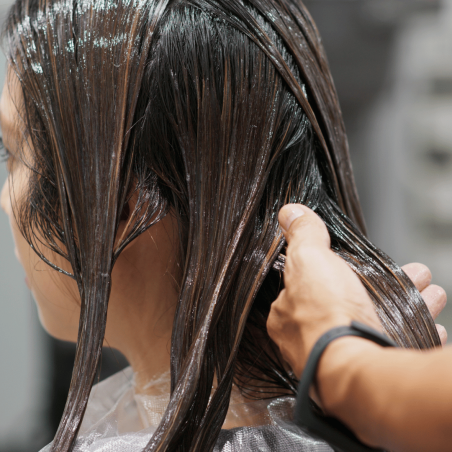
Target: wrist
(338, 367)
(315, 330)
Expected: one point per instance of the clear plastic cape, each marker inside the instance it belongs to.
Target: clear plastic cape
(118, 419)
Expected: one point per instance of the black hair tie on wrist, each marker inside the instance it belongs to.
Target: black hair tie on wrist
(308, 416)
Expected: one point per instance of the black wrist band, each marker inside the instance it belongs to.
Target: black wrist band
(308, 416)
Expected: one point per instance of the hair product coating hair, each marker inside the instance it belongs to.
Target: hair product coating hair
(218, 112)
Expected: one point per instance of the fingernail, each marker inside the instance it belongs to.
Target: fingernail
(288, 214)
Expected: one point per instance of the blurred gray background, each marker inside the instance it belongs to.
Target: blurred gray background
(392, 64)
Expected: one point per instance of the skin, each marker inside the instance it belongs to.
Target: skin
(142, 302)
(399, 400)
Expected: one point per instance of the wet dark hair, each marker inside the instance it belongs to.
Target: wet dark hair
(217, 112)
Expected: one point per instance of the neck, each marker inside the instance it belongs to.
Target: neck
(143, 300)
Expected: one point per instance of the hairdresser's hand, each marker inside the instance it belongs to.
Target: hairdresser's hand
(434, 296)
(321, 292)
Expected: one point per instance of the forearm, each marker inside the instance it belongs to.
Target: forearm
(396, 399)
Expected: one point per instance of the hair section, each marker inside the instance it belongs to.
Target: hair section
(218, 112)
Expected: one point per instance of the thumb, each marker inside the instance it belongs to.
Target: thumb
(302, 227)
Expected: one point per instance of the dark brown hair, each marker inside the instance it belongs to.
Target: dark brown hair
(218, 112)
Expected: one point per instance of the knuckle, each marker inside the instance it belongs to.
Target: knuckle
(440, 293)
(423, 271)
(270, 323)
(426, 272)
(442, 332)
(270, 326)
(417, 271)
(275, 306)
(418, 266)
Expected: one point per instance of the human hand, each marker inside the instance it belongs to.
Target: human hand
(434, 296)
(321, 291)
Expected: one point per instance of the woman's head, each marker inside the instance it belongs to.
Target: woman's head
(139, 300)
(213, 113)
